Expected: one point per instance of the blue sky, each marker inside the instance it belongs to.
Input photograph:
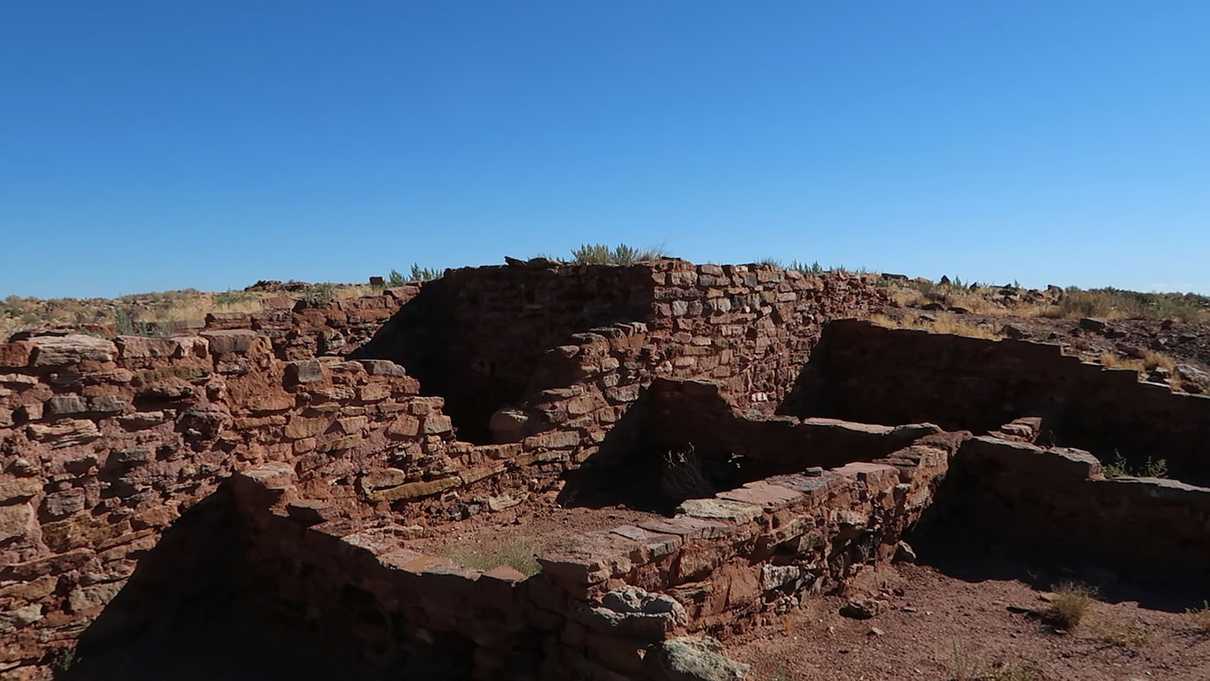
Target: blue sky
(147, 146)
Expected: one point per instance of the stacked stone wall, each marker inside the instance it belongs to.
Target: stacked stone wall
(864, 372)
(105, 442)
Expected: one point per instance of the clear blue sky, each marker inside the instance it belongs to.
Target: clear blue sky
(157, 145)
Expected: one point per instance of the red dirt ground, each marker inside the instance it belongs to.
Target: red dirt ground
(940, 627)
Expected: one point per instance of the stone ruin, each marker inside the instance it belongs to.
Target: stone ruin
(270, 488)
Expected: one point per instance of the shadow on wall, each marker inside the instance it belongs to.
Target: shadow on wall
(475, 335)
(1012, 510)
(194, 609)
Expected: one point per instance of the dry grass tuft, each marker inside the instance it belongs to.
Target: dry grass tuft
(1150, 361)
(1071, 603)
(1129, 635)
(1013, 672)
(517, 553)
(945, 323)
(966, 666)
(1200, 617)
(1111, 303)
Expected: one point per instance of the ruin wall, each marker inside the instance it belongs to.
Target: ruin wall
(1057, 503)
(868, 373)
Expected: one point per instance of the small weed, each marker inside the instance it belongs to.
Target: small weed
(416, 274)
(814, 268)
(963, 665)
(1071, 603)
(1200, 617)
(943, 324)
(516, 553)
(62, 660)
(318, 295)
(1013, 672)
(419, 273)
(1121, 468)
(1131, 636)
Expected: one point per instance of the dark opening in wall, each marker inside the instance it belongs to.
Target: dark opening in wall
(687, 441)
(475, 336)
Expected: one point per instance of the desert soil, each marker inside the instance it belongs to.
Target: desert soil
(942, 627)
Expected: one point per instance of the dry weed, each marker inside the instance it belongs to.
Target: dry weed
(1124, 635)
(1071, 603)
(966, 666)
(944, 323)
(1200, 617)
(517, 553)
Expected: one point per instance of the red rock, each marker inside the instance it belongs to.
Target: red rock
(15, 355)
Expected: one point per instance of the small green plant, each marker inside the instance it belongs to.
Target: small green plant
(320, 294)
(1121, 468)
(515, 553)
(1071, 603)
(124, 324)
(419, 273)
(62, 660)
(963, 665)
(229, 298)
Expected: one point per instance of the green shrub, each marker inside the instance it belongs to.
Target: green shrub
(419, 273)
(622, 254)
(1121, 468)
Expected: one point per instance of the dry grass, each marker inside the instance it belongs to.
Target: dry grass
(1200, 617)
(152, 313)
(966, 666)
(945, 323)
(1110, 303)
(1106, 303)
(1150, 360)
(1124, 635)
(1071, 604)
(517, 553)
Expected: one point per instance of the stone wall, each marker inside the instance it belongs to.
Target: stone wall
(1056, 503)
(306, 328)
(695, 412)
(613, 604)
(864, 372)
(105, 442)
(475, 335)
(749, 328)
